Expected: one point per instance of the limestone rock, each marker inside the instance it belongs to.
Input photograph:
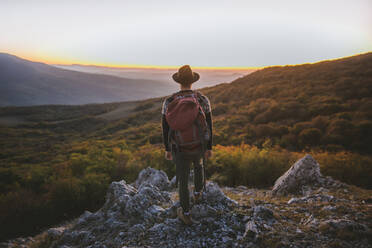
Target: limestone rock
(55, 232)
(304, 172)
(213, 194)
(148, 195)
(251, 229)
(172, 183)
(261, 212)
(118, 194)
(202, 211)
(312, 198)
(152, 176)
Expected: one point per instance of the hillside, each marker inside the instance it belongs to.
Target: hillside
(23, 82)
(54, 155)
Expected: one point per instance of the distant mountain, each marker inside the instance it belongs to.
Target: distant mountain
(208, 76)
(24, 82)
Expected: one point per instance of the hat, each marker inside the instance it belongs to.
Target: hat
(185, 75)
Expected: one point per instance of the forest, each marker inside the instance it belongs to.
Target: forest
(57, 160)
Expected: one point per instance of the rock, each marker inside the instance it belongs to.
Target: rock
(55, 232)
(117, 195)
(329, 208)
(172, 183)
(241, 188)
(152, 176)
(84, 218)
(304, 172)
(147, 196)
(311, 221)
(214, 195)
(312, 198)
(261, 212)
(251, 229)
(203, 210)
(138, 229)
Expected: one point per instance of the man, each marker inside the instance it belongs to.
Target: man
(185, 77)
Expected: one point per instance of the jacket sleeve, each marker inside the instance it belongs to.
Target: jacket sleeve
(165, 128)
(208, 117)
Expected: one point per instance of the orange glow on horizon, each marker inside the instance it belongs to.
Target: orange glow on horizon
(70, 61)
(63, 61)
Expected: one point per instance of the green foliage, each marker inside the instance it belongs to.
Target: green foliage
(248, 165)
(347, 167)
(310, 136)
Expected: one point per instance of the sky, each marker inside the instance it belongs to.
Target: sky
(218, 33)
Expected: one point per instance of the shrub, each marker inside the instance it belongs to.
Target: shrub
(310, 137)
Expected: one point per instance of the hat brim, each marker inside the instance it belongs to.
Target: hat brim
(179, 80)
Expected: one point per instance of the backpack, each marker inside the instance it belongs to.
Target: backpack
(188, 127)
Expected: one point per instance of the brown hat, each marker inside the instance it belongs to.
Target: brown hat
(185, 75)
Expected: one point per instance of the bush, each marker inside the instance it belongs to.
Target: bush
(310, 137)
(248, 165)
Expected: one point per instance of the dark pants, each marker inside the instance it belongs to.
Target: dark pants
(183, 162)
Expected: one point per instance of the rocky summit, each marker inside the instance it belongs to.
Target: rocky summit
(304, 209)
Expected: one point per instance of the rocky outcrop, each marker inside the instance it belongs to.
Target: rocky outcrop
(304, 172)
(144, 215)
(152, 176)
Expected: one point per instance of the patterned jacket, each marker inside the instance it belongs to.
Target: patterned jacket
(204, 103)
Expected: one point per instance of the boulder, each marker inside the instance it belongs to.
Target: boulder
(262, 213)
(304, 172)
(117, 195)
(152, 176)
(214, 195)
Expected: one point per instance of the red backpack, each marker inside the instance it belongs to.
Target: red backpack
(188, 126)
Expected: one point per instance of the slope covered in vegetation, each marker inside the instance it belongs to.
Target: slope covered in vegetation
(57, 161)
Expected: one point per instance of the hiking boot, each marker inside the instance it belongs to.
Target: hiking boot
(197, 197)
(186, 218)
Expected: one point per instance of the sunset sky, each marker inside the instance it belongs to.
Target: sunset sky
(204, 33)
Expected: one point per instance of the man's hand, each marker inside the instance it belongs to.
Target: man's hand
(168, 155)
(208, 154)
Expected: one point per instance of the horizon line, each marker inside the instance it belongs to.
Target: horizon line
(157, 67)
(165, 67)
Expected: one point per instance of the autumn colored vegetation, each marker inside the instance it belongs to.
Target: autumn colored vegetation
(59, 160)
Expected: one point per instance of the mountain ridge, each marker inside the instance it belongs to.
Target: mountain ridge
(24, 82)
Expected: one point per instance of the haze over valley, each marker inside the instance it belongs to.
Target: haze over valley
(208, 77)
